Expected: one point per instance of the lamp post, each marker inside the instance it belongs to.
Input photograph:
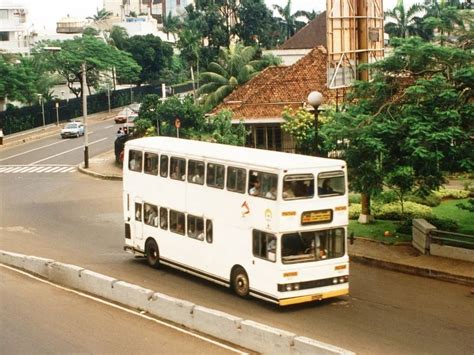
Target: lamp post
(315, 99)
(84, 115)
(41, 101)
(57, 113)
(108, 95)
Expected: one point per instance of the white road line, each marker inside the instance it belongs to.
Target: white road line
(67, 170)
(50, 169)
(67, 151)
(10, 170)
(21, 169)
(28, 170)
(31, 150)
(107, 127)
(212, 341)
(42, 169)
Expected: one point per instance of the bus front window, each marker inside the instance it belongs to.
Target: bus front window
(298, 186)
(312, 246)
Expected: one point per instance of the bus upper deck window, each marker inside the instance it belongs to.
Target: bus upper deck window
(151, 163)
(331, 184)
(178, 168)
(164, 166)
(263, 184)
(298, 186)
(135, 160)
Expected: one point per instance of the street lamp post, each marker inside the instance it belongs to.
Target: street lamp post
(57, 113)
(41, 101)
(315, 99)
(108, 96)
(84, 115)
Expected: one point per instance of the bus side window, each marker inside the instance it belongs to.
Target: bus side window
(196, 172)
(164, 166)
(264, 245)
(138, 211)
(177, 222)
(151, 215)
(209, 237)
(163, 218)
(195, 227)
(135, 160)
(236, 179)
(151, 163)
(215, 175)
(178, 168)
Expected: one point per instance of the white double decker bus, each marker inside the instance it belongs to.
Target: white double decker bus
(268, 224)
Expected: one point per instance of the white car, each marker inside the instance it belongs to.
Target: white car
(72, 129)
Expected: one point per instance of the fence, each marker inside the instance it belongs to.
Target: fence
(15, 119)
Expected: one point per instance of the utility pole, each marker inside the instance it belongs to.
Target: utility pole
(84, 115)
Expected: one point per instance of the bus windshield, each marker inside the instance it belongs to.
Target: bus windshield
(307, 246)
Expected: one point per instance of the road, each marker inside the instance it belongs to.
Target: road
(77, 219)
(38, 318)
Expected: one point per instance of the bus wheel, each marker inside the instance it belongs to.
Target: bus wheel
(240, 282)
(152, 253)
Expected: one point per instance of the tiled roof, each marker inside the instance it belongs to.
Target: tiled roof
(275, 88)
(310, 36)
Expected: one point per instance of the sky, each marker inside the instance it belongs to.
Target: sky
(45, 13)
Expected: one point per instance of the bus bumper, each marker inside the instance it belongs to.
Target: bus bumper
(315, 297)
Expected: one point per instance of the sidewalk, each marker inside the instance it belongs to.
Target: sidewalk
(402, 258)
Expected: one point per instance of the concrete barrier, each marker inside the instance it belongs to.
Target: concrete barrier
(246, 333)
(131, 295)
(174, 309)
(447, 251)
(218, 324)
(420, 233)
(265, 339)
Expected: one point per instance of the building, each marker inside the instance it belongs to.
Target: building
(15, 35)
(259, 103)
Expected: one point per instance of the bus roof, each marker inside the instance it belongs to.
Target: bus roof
(242, 155)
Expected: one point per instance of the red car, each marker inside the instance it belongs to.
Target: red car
(123, 115)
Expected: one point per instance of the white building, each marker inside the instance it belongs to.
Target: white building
(15, 35)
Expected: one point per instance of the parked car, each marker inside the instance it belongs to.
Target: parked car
(122, 116)
(72, 129)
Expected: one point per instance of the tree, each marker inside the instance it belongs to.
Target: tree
(17, 81)
(171, 25)
(443, 17)
(300, 125)
(152, 54)
(119, 37)
(101, 16)
(410, 123)
(289, 22)
(401, 22)
(98, 57)
(221, 130)
(234, 67)
(256, 24)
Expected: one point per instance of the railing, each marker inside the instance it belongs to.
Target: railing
(15, 119)
(452, 239)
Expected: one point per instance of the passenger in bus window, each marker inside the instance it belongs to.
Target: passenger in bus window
(255, 189)
(287, 190)
(198, 177)
(200, 229)
(326, 188)
(271, 194)
(179, 228)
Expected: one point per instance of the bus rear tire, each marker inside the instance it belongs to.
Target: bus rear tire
(152, 253)
(240, 282)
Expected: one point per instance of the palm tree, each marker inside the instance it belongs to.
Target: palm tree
(171, 25)
(404, 22)
(289, 22)
(443, 17)
(101, 16)
(234, 66)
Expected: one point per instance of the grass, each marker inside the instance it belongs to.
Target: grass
(464, 218)
(376, 231)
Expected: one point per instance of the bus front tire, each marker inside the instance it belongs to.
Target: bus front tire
(240, 282)
(152, 253)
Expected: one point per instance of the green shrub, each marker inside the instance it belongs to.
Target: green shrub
(452, 193)
(442, 223)
(354, 198)
(354, 210)
(386, 197)
(431, 200)
(393, 211)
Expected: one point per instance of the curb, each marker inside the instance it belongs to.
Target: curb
(413, 270)
(245, 333)
(95, 174)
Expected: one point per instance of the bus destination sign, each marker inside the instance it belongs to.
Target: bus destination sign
(315, 217)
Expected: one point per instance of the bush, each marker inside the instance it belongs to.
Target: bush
(386, 197)
(452, 193)
(354, 210)
(431, 200)
(354, 198)
(442, 223)
(393, 211)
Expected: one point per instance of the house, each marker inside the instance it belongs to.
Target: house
(259, 103)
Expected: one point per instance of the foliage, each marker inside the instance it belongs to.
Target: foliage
(443, 18)
(152, 54)
(411, 122)
(119, 37)
(142, 126)
(468, 205)
(288, 21)
(394, 211)
(235, 66)
(402, 22)
(300, 125)
(18, 81)
(223, 131)
(354, 210)
(354, 198)
(98, 57)
(256, 25)
(464, 218)
(452, 194)
(428, 200)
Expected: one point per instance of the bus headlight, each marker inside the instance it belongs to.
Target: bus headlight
(288, 287)
(334, 280)
(341, 280)
(296, 287)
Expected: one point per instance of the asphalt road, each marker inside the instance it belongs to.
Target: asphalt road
(77, 219)
(38, 318)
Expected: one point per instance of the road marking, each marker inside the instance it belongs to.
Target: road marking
(36, 169)
(131, 311)
(31, 150)
(67, 151)
(107, 127)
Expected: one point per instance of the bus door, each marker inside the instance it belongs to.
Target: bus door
(138, 219)
(264, 247)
